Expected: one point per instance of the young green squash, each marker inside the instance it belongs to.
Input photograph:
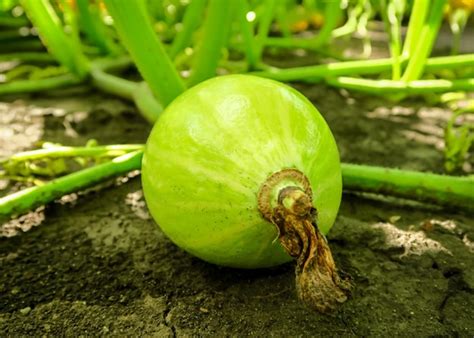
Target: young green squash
(229, 163)
(212, 150)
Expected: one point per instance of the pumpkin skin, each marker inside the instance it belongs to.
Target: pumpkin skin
(213, 148)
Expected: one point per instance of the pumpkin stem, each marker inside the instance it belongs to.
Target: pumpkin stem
(318, 284)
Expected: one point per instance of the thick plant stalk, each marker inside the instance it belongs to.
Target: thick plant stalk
(247, 31)
(440, 189)
(264, 25)
(113, 84)
(215, 33)
(102, 80)
(391, 14)
(415, 87)
(191, 21)
(70, 20)
(332, 15)
(32, 86)
(27, 57)
(424, 42)
(138, 92)
(361, 67)
(282, 19)
(146, 103)
(31, 198)
(417, 18)
(64, 151)
(92, 25)
(51, 32)
(136, 32)
(327, 70)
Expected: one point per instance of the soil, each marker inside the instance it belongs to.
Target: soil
(96, 264)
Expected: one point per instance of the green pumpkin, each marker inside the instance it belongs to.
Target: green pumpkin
(211, 152)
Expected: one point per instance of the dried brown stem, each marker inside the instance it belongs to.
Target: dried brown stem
(318, 284)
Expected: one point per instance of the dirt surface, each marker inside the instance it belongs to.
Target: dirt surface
(97, 264)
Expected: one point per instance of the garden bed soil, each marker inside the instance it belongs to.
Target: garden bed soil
(97, 264)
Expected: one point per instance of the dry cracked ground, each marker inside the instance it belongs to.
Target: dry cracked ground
(96, 264)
